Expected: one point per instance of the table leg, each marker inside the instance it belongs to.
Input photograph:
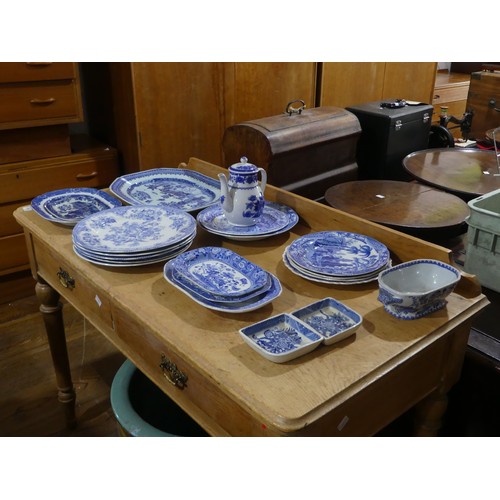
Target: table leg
(429, 414)
(51, 309)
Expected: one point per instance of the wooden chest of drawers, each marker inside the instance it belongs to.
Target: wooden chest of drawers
(90, 165)
(451, 91)
(39, 94)
(39, 100)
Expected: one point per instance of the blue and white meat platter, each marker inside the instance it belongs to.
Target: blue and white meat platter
(220, 271)
(281, 338)
(172, 187)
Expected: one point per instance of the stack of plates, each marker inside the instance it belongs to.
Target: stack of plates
(133, 236)
(220, 279)
(171, 187)
(70, 206)
(276, 219)
(337, 257)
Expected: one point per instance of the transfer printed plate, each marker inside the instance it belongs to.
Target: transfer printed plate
(220, 271)
(338, 253)
(173, 187)
(133, 229)
(73, 204)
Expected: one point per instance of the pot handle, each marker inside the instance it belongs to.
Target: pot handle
(263, 179)
(290, 110)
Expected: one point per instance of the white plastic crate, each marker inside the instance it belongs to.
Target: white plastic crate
(482, 257)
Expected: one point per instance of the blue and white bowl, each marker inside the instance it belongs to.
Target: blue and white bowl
(416, 288)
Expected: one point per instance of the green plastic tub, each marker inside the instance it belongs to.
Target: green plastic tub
(143, 410)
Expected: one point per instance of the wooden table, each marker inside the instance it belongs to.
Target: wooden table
(468, 173)
(410, 207)
(196, 356)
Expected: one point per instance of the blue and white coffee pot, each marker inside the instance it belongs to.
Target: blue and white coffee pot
(242, 198)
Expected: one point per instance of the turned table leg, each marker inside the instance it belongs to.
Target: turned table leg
(51, 309)
(429, 414)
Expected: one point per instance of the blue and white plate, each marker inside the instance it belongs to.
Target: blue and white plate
(332, 280)
(275, 219)
(220, 271)
(171, 187)
(69, 206)
(139, 256)
(190, 287)
(281, 338)
(133, 229)
(125, 262)
(338, 253)
(248, 305)
(330, 318)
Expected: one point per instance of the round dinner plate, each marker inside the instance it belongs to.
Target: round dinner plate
(133, 229)
(338, 253)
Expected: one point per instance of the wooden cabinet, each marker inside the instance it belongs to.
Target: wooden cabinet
(90, 164)
(450, 90)
(346, 84)
(39, 94)
(161, 114)
(39, 100)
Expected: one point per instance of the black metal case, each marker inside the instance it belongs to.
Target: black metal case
(388, 135)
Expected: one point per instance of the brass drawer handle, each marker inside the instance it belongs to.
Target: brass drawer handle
(65, 279)
(83, 177)
(38, 63)
(172, 373)
(42, 102)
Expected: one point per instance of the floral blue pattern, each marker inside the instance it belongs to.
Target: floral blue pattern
(247, 303)
(338, 253)
(172, 187)
(133, 228)
(330, 318)
(72, 204)
(281, 338)
(275, 218)
(416, 288)
(220, 271)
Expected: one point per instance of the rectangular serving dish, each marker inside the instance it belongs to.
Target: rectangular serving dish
(281, 338)
(333, 320)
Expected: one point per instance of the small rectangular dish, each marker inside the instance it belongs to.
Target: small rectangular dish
(330, 318)
(281, 338)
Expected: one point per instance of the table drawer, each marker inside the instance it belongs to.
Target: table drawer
(54, 101)
(13, 253)
(202, 398)
(73, 286)
(11, 72)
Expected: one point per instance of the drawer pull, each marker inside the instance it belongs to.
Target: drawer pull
(84, 177)
(38, 63)
(42, 102)
(65, 279)
(172, 373)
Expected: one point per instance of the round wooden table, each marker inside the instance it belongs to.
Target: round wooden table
(410, 207)
(468, 173)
